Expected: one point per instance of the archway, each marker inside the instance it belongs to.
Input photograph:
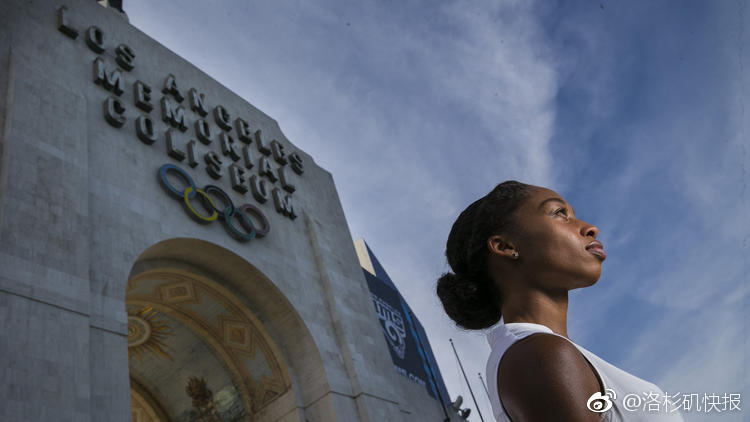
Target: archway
(211, 338)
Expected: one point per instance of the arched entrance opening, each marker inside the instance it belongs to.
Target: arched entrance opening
(210, 338)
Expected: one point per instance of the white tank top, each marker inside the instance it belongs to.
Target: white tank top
(623, 384)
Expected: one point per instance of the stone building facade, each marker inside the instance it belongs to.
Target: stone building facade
(166, 253)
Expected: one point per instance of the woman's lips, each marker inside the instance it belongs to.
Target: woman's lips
(598, 251)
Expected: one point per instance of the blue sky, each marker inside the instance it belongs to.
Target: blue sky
(633, 111)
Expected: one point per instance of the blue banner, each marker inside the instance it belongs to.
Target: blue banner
(407, 341)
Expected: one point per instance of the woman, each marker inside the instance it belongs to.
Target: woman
(515, 254)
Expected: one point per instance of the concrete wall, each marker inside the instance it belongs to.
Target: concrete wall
(80, 202)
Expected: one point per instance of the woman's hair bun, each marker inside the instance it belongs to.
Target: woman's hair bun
(469, 294)
(472, 304)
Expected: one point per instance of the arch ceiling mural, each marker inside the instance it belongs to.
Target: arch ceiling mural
(196, 352)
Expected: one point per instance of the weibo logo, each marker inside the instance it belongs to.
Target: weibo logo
(601, 403)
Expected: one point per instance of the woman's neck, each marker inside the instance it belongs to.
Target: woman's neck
(539, 308)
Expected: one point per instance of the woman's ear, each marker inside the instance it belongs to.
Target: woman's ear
(499, 247)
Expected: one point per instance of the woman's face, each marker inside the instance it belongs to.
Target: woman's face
(554, 246)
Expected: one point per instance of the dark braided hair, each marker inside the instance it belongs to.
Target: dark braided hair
(469, 295)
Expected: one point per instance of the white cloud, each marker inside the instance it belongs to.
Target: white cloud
(414, 121)
(418, 114)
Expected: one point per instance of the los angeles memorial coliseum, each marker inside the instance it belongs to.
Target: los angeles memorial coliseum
(167, 254)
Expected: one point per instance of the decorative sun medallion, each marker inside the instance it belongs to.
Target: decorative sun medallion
(146, 333)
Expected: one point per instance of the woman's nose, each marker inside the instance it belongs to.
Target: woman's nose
(589, 230)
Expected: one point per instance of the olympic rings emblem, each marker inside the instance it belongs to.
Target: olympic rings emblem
(210, 211)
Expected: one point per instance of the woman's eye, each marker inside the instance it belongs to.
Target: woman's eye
(563, 210)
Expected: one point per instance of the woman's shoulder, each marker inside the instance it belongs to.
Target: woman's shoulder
(545, 375)
(543, 352)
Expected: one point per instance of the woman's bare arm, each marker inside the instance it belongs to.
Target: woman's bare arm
(546, 378)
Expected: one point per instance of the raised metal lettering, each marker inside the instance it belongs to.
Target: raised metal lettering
(285, 182)
(196, 102)
(191, 154)
(142, 95)
(264, 169)
(243, 130)
(296, 162)
(227, 146)
(203, 131)
(262, 147)
(172, 149)
(170, 87)
(258, 189)
(144, 128)
(63, 25)
(175, 116)
(278, 152)
(247, 157)
(213, 164)
(113, 112)
(124, 56)
(222, 118)
(111, 81)
(95, 39)
(284, 205)
(237, 175)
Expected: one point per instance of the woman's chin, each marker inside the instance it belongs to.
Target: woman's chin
(592, 278)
